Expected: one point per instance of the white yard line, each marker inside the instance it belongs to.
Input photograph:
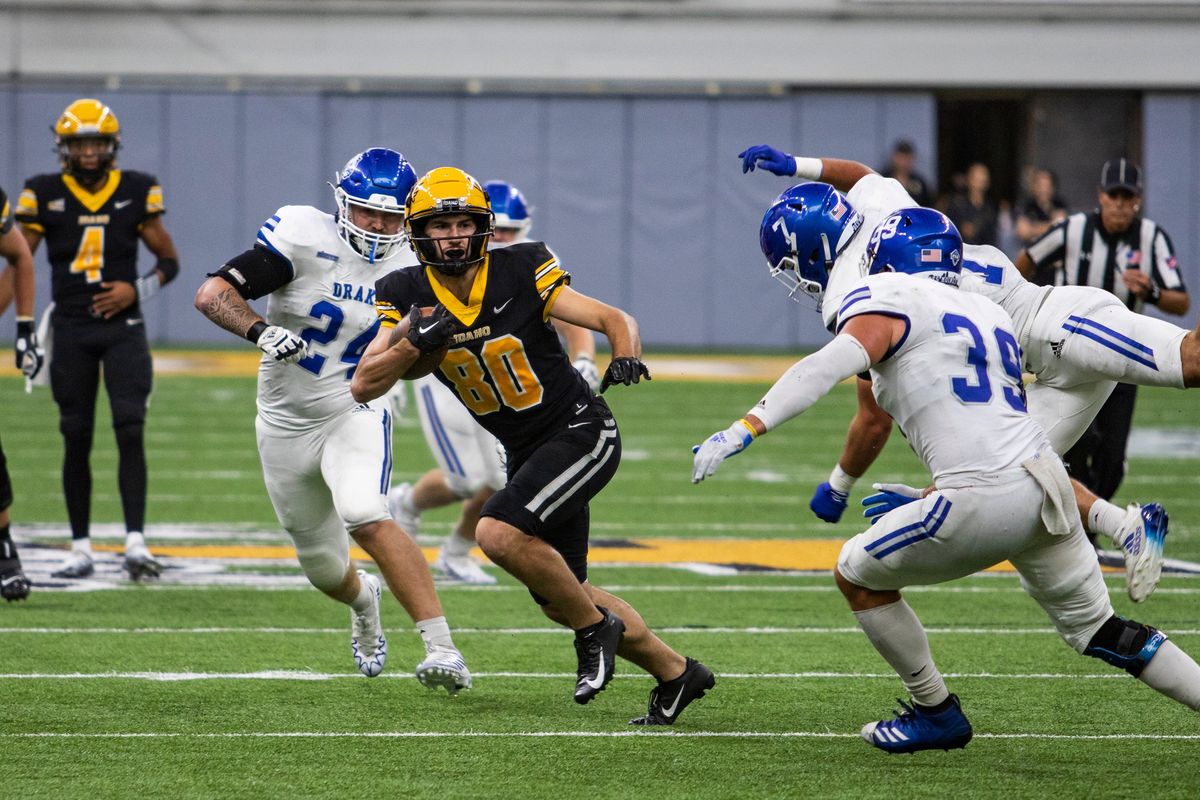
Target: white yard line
(302, 675)
(753, 630)
(623, 734)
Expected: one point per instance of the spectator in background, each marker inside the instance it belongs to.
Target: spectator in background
(1042, 209)
(972, 210)
(900, 167)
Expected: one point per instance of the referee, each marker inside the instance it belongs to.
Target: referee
(1117, 250)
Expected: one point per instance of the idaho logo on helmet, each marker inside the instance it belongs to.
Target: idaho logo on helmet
(448, 194)
(87, 137)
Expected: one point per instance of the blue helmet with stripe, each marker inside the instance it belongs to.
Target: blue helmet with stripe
(510, 208)
(917, 241)
(377, 180)
(802, 234)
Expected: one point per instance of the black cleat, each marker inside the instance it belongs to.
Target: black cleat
(142, 566)
(670, 698)
(13, 583)
(597, 654)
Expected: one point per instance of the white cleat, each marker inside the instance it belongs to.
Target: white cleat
(462, 569)
(77, 564)
(366, 632)
(1142, 536)
(396, 502)
(444, 666)
(140, 563)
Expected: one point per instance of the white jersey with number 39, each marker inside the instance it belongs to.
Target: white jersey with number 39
(330, 302)
(953, 382)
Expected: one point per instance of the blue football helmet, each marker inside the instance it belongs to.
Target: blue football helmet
(378, 179)
(802, 234)
(510, 208)
(917, 241)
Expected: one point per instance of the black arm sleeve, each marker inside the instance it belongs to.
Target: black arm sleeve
(256, 272)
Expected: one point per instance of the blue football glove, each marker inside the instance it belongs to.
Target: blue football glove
(890, 496)
(766, 157)
(718, 447)
(828, 503)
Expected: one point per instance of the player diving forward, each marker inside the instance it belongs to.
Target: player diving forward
(327, 459)
(508, 368)
(946, 365)
(470, 467)
(1078, 341)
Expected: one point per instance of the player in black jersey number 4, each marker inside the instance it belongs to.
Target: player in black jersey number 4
(508, 368)
(92, 216)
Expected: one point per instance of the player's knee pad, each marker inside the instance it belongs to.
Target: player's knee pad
(1126, 644)
(128, 412)
(325, 566)
(76, 428)
(130, 434)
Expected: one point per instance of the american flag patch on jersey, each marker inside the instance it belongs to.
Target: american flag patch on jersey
(931, 254)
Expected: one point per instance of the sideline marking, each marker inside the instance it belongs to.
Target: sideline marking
(683, 629)
(304, 675)
(1186, 737)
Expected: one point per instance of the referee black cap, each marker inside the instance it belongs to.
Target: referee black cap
(1120, 173)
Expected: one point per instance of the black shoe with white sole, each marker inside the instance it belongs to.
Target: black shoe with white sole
(670, 698)
(597, 652)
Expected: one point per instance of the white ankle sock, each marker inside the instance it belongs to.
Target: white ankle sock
(900, 638)
(1175, 674)
(457, 545)
(1107, 519)
(363, 600)
(83, 545)
(134, 539)
(435, 632)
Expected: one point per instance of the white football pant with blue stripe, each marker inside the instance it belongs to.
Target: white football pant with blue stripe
(468, 455)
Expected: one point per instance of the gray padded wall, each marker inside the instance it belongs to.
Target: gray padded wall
(642, 197)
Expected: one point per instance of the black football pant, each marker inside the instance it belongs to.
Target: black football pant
(83, 350)
(1098, 459)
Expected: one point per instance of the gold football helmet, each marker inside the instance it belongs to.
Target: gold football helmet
(448, 191)
(91, 120)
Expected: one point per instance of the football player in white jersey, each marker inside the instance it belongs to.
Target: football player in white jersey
(327, 459)
(1078, 343)
(947, 367)
(470, 461)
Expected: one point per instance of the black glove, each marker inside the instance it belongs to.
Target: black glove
(432, 333)
(626, 370)
(30, 356)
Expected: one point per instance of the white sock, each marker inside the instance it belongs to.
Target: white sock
(1174, 673)
(435, 632)
(134, 540)
(457, 545)
(83, 545)
(363, 600)
(900, 638)
(1107, 519)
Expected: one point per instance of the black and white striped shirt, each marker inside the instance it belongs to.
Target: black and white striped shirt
(1084, 254)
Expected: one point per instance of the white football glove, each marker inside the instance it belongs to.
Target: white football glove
(718, 447)
(586, 367)
(282, 345)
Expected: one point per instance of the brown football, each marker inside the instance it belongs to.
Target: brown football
(426, 363)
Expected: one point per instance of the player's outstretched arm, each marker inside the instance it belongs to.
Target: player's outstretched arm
(218, 300)
(620, 328)
(868, 433)
(840, 173)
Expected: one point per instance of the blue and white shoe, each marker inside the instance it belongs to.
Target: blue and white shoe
(444, 666)
(1142, 536)
(366, 632)
(915, 729)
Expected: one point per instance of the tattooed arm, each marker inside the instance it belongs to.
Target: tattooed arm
(224, 305)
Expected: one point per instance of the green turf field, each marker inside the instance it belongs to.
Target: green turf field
(237, 692)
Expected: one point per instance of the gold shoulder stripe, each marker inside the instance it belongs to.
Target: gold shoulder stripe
(27, 204)
(554, 293)
(4, 213)
(548, 278)
(388, 314)
(154, 200)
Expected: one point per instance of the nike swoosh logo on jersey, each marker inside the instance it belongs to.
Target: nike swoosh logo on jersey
(501, 307)
(599, 680)
(121, 204)
(578, 424)
(134, 321)
(670, 710)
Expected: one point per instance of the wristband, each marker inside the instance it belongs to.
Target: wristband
(256, 331)
(169, 267)
(750, 428)
(840, 480)
(809, 168)
(1154, 295)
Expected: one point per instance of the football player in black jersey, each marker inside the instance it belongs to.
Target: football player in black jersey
(92, 216)
(17, 282)
(508, 368)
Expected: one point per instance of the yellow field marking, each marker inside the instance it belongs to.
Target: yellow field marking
(785, 554)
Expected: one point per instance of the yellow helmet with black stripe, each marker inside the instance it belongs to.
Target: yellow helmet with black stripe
(87, 120)
(442, 193)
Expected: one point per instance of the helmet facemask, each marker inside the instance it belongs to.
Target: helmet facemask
(453, 262)
(106, 156)
(372, 245)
